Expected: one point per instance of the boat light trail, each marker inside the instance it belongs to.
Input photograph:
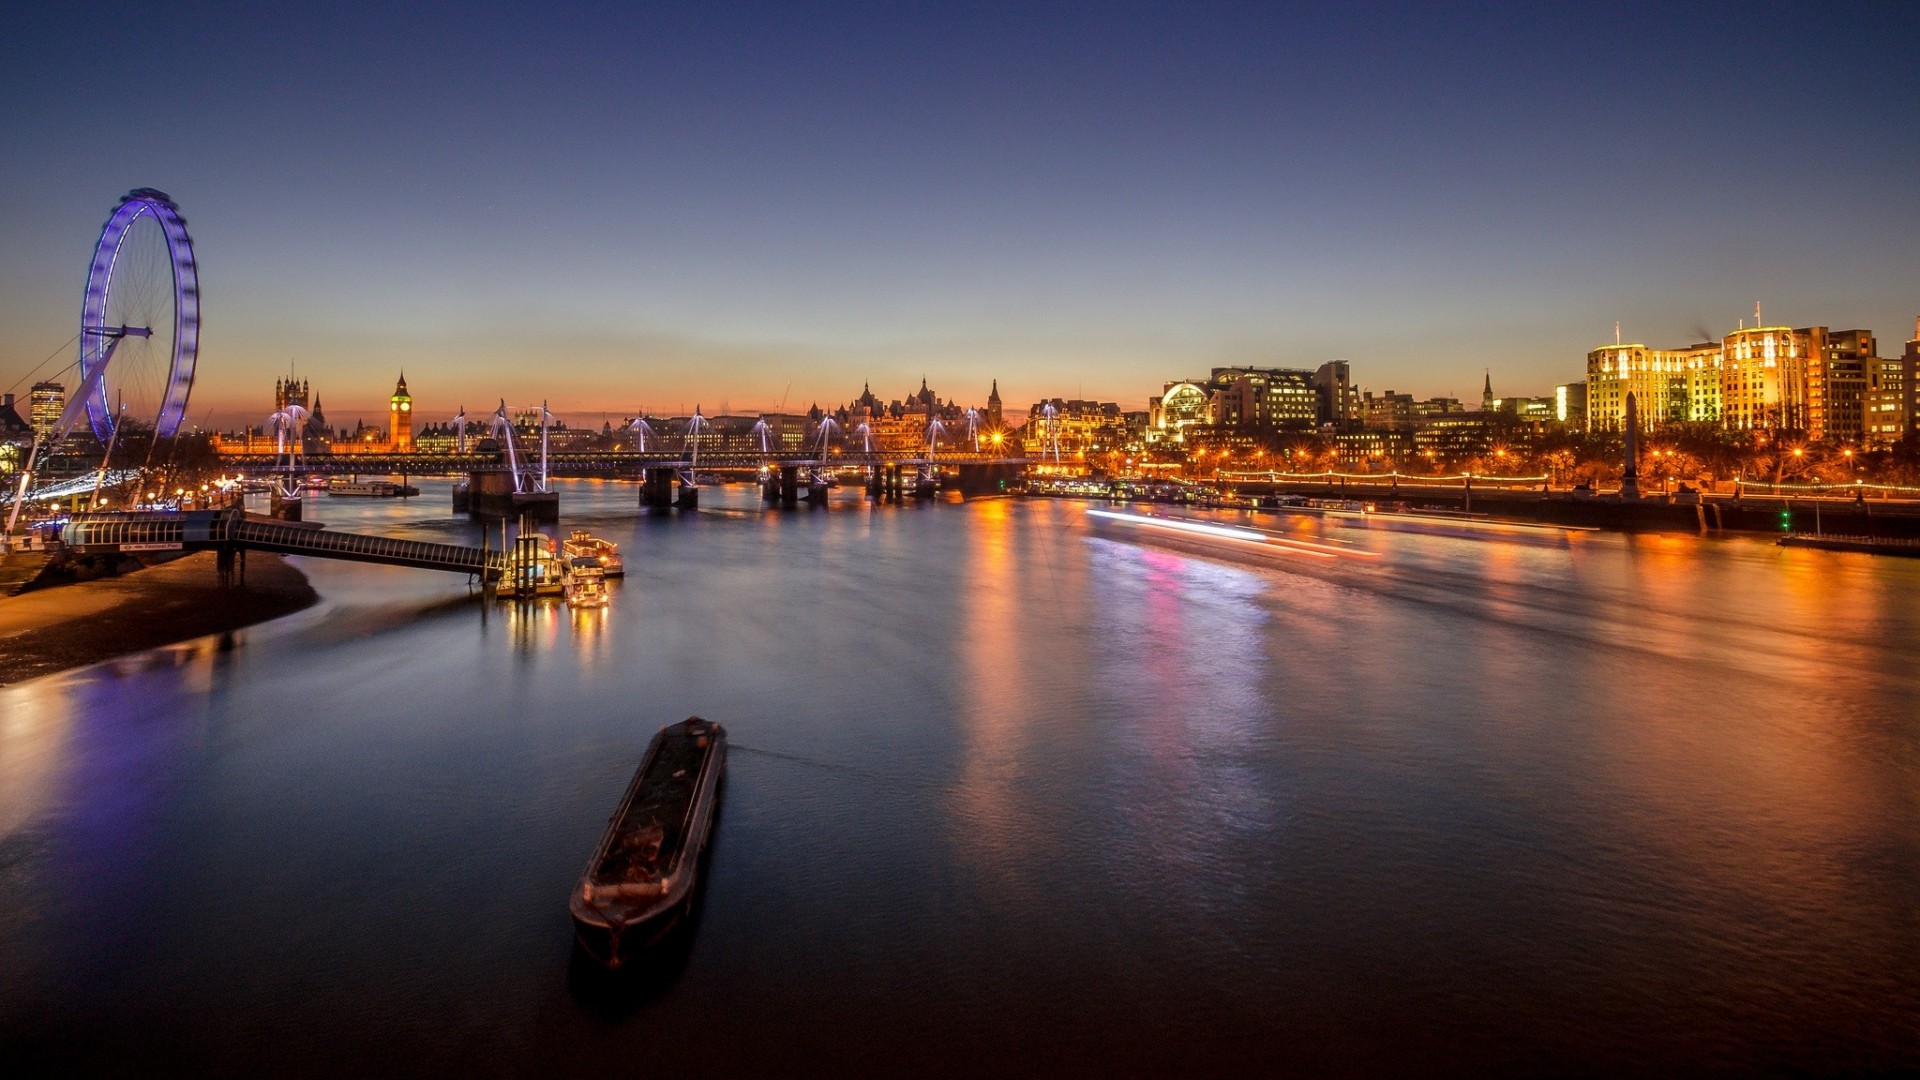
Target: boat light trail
(1262, 540)
(1227, 532)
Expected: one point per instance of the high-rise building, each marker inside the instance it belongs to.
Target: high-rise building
(45, 402)
(1886, 403)
(1339, 399)
(1847, 354)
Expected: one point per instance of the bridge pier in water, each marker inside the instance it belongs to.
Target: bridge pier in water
(689, 496)
(491, 495)
(989, 478)
(782, 488)
(656, 488)
(892, 482)
(284, 508)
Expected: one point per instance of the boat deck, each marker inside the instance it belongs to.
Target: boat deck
(652, 832)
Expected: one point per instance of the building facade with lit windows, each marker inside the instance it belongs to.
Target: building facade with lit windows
(1888, 417)
(1666, 384)
(1570, 405)
(1703, 364)
(1085, 430)
(1181, 405)
(1402, 412)
(45, 402)
(1910, 381)
(1811, 379)
(1274, 399)
(1339, 399)
(1374, 448)
(1846, 356)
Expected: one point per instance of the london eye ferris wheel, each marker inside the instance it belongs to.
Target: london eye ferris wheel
(140, 320)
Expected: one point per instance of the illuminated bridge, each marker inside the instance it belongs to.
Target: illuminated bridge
(589, 463)
(502, 483)
(231, 530)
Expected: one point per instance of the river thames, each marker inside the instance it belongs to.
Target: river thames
(1008, 792)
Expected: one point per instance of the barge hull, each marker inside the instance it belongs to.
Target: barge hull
(644, 871)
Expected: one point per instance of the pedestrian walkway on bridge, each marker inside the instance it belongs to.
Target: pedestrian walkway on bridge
(203, 530)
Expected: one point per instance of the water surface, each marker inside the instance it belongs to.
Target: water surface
(1008, 792)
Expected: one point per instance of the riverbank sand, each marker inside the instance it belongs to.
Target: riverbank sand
(70, 626)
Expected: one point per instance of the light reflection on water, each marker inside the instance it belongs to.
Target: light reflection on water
(1007, 792)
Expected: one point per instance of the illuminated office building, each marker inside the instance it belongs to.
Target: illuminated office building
(45, 402)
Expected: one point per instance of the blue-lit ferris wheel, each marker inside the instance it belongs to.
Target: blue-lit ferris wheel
(140, 321)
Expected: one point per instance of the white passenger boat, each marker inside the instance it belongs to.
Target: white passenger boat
(582, 544)
(583, 583)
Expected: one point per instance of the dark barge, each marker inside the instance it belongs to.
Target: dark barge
(1907, 547)
(641, 878)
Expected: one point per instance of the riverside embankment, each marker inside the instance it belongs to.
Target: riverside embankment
(1757, 514)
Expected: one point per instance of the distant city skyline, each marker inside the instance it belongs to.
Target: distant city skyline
(748, 205)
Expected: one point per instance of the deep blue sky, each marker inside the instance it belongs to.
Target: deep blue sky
(625, 205)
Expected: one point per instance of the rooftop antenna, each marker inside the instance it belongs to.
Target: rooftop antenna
(1616, 331)
(1756, 315)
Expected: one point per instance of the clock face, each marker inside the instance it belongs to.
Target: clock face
(406, 406)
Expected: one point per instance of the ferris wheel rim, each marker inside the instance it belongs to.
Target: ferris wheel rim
(95, 350)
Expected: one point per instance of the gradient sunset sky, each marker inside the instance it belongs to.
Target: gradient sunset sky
(655, 205)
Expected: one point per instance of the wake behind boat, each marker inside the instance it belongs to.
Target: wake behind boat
(642, 875)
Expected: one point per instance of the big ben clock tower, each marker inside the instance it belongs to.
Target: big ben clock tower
(400, 417)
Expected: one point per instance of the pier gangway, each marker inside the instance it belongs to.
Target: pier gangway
(233, 530)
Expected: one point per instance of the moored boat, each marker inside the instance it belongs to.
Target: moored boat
(583, 583)
(641, 878)
(582, 543)
(1864, 545)
(371, 489)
